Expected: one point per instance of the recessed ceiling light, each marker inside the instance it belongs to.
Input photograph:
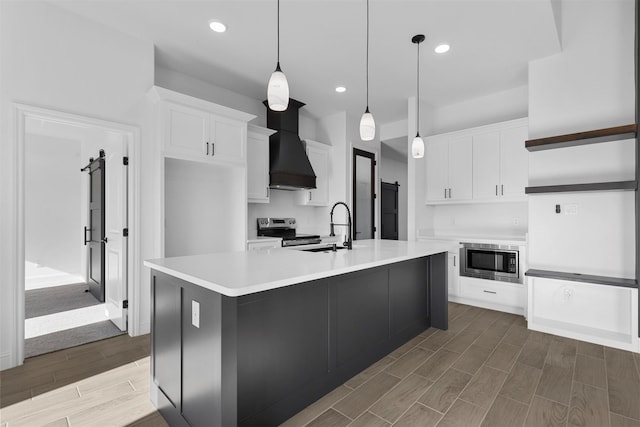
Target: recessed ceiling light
(442, 48)
(341, 89)
(217, 26)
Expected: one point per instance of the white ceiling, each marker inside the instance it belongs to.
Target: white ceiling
(323, 45)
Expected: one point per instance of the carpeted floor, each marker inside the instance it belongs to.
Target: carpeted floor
(40, 302)
(70, 338)
(58, 299)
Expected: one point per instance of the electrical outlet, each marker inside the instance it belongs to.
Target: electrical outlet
(195, 313)
(516, 221)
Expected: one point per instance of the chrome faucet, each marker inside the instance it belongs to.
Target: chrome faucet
(349, 242)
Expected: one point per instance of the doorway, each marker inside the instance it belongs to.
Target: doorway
(75, 252)
(389, 210)
(364, 172)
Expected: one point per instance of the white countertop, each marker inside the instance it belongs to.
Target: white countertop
(506, 240)
(241, 273)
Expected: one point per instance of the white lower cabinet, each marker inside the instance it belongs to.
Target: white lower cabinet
(601, 314)
(492, 294)
(263, 245)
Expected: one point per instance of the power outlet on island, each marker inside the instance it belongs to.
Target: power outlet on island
(195, 313)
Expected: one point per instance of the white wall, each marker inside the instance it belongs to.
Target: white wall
(214, 214)
(53, 222)
(55, 59)
(393, 168)
(496, 107)
(586, 87)
(481, 220)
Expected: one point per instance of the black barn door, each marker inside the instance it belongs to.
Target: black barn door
(96, 229)
(389, 207)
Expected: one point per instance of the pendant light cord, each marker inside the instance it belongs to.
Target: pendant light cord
(278, 32)
(418, 94)
(367, 55)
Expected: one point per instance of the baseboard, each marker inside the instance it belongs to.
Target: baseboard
(5, 361)
(145, 328)
(497, 307)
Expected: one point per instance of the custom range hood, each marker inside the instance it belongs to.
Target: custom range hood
(289, 166)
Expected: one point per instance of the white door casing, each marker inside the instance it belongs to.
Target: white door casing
(116, 221)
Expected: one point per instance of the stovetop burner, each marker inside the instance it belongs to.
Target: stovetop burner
(286, 229)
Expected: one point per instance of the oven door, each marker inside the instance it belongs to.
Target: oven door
(489, 262)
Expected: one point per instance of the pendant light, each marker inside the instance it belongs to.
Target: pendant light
(278, 88)
(417, 145)
(367, 124)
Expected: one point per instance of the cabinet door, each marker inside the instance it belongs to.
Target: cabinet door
(188, 130)
(486, 166)
(437, 158)
(257, 168)
(514, 162)
(460, 168)
(318, 155)
(319, 159)
(227, 139)
(167, 337)
(454, 274)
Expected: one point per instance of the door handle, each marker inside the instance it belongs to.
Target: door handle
(85, 236)
(105, 240)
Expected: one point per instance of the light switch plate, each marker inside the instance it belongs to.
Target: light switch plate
(195, 313)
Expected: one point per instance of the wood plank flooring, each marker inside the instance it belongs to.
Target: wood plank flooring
(486, 370)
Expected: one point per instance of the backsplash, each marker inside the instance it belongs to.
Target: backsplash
(486, 219)
(310, 220)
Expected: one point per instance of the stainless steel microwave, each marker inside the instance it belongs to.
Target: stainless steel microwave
(490, 261)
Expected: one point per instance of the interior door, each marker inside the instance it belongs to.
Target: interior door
(389, 208)
(116, 223)
(363, 194)
(96, 229)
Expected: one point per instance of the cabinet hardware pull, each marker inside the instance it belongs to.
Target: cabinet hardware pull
(310, 196)
(213, 148)
(502, 189)
(496, 189)
(445, 193)
(207, 148)
(449, 193)
(454, 260)
(489, 292)
(85, 236)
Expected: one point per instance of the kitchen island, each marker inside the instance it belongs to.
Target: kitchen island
(251, 338)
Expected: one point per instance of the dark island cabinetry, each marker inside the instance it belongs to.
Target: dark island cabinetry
(258, 359)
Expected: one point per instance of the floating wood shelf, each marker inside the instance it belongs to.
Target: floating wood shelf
(585, 278)
(595, 186)
(617, 133)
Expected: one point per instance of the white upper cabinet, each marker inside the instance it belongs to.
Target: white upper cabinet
(500, 163)
(488, 163)
(319, 155)
(514, 161)
(258, 164)
(194, 129)
(448, 174)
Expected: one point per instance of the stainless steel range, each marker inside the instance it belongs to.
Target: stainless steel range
(285, 228)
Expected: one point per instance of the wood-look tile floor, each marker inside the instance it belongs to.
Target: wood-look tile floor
(487, 369)
(104, 383)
